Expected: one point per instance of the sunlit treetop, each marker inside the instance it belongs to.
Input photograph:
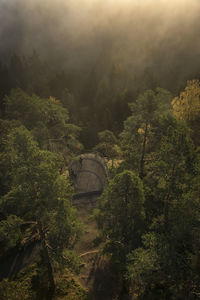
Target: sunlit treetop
(187, 105)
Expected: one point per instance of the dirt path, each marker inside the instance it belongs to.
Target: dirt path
(96, 275)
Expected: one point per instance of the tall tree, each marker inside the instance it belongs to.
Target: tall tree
(170, 170)
(121, 219)
(37, 194)
(138, 136)
(187, 107)
(165, 267)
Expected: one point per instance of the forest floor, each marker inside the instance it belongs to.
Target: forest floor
(96, 276)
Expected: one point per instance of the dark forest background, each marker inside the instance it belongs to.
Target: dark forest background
(97, 57)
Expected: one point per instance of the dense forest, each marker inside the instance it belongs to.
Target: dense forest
(145, 121)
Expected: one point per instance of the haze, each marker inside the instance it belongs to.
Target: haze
(134, 35)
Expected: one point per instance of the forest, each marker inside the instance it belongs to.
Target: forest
(143, 117)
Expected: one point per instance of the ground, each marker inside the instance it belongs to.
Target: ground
(96, 274)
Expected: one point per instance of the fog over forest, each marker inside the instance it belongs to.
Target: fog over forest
(135, 35)
(99, 109)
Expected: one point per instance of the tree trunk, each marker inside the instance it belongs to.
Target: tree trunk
(47, 260)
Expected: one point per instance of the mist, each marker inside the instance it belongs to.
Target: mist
(135, 36)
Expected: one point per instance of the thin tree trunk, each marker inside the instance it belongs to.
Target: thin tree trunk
(143, 151)
(47, 260)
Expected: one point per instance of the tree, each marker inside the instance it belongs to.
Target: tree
(121, 219)
(166, 266)
(163, 267)
(187, 107)
(47, 119)
(108, 145)
(37, 194)
(138, 136)
(170, 171)
(10, 232)
(142, 265)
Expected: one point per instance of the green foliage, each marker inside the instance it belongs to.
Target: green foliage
(187, 107)
(108, 145)
(15, 290)
(169, 171)
(107, 136)
(121, 215)
(162, 268)
(160, 150)
(35, 199)
(143, 263)
(72, 260)
(69, 289)
(35, 194)
(47, 120)
(31, 284)
(36, 188)
(140, 135)
(10, 232)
